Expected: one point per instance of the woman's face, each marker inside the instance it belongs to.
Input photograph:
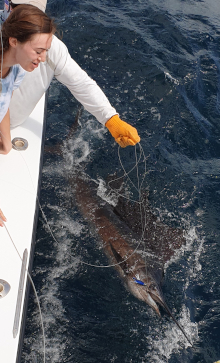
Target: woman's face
(32, 52)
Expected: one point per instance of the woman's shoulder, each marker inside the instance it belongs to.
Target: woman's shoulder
(18, 72)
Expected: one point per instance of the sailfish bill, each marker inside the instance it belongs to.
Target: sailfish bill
(147, 289)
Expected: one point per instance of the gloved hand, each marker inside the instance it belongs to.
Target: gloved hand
(123, 133)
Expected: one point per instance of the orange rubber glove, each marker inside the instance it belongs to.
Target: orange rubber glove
(123, 133)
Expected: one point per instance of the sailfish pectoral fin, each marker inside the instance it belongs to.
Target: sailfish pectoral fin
(119, 259)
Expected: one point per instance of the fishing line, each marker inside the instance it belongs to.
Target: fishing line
(141, 216)
(126, 174)
(51, 232)
(33, 286)
(28, 274)
(141, 204)
(140, 201)
(143, 224)
(54, 238)
(87, 263)
(138, 189)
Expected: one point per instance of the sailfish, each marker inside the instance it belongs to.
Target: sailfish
(120, 231)
(119, 227)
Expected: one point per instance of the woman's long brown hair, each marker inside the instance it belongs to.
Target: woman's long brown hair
(24, 22)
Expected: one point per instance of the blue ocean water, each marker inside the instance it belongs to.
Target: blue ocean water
(158, 63)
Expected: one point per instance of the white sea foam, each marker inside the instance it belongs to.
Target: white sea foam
(76, 153)
(174, 80)
(164, 342)
(64, 266)
(167, 339)
(155, 112)
(103, 193)
(164, 339)
(191, 238)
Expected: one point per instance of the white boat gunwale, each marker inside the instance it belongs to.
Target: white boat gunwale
(33, 242)
(20, 183)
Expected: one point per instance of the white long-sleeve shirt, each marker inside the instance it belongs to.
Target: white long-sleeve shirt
(59, 64)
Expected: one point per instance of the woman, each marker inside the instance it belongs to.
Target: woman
(26, 36)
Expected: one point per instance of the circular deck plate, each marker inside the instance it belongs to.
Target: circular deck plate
(19, 144)
(4, 288)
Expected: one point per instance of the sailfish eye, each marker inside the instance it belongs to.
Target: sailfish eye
(152, 286)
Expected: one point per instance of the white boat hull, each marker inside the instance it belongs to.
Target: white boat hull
(20, 174)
